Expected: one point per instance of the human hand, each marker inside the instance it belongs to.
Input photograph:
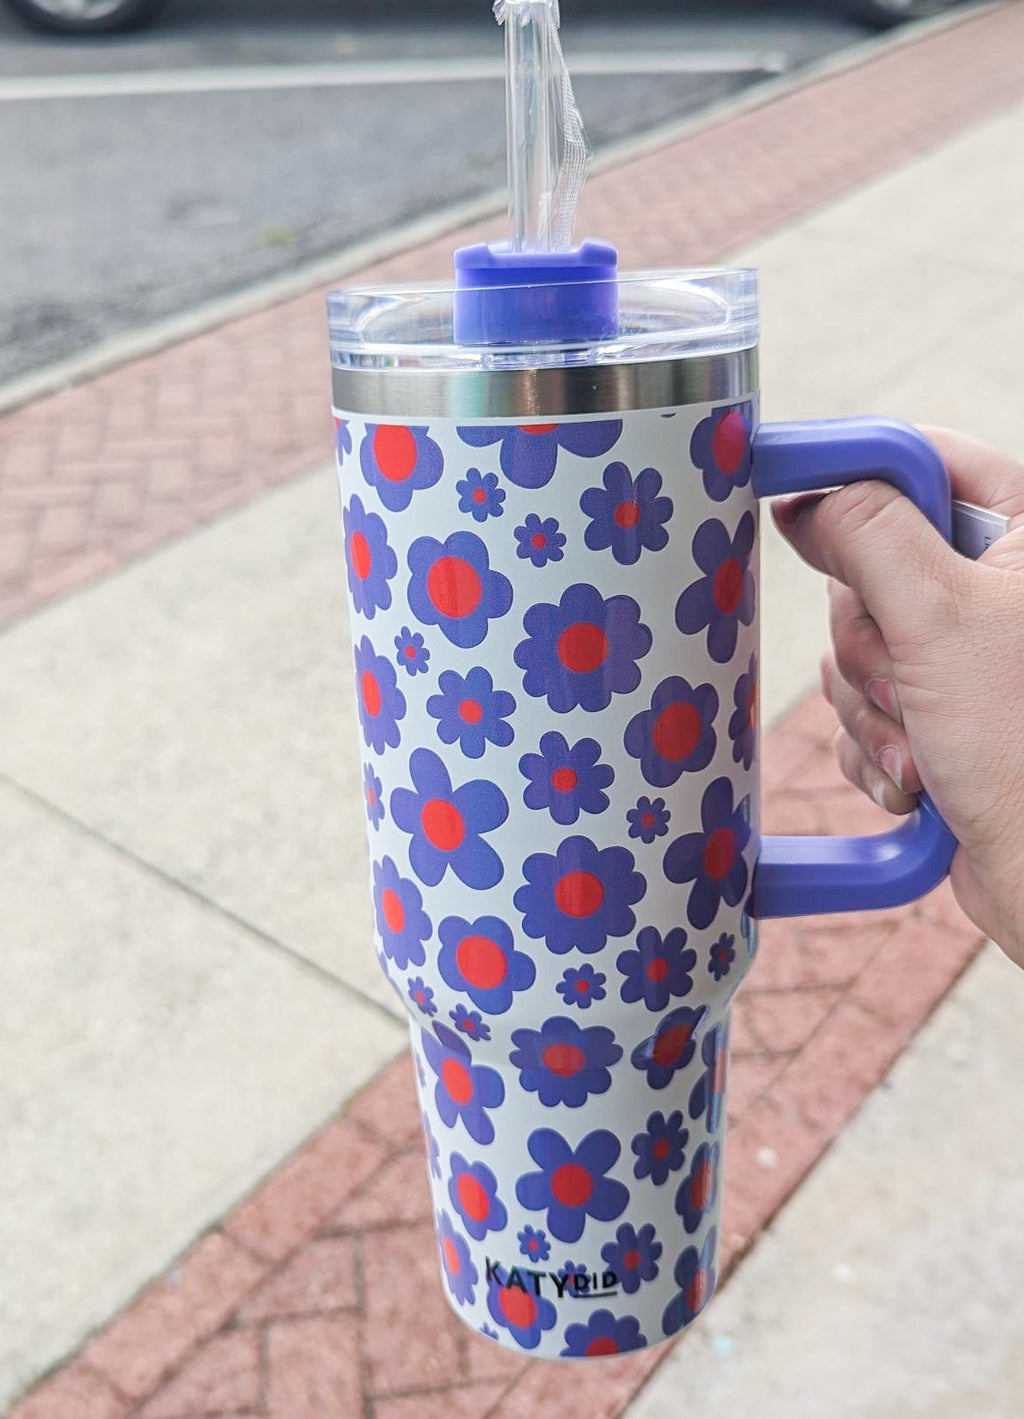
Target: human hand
(927, 669)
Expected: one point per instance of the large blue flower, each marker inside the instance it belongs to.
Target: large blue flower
(743, 724)
(370, 561)
(372, 793)
(723, 598)
(571, 1184)
(464, 1090)
(540, 540)
(480, 495)
(516, 1308)
(627, 514)
(529, 452)
(720, 448)
(446, 823)
(707, 1097)
(452, 586)
(397, 461)
(658, 968)
(579, 896)
(675, 736)
(401, 920)
(566, 781)
(603, 1334)
(342, 440)
(584, 650)
(381, 703)
(661, 1149)
(696, 1278)
(581, 986)
(712, 859)
(696, 1194)
(671, 1046)
(480, 958)
(459, 1270)
(563, 1063)
(648, 820)
(473, 1189)
(633, 1256)
(471, 711)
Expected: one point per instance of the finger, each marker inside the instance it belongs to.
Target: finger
(866, 776)
(860, 651)
(981, 474)
(882, 742)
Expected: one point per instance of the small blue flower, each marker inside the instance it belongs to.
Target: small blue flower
(529, 452)
(579, 896)
(447, 823)
(675, 736)
(603, 1334)
(373, 794)
(401, 921)
(480, 958)
(480, 495)
(489, 1332)
(398, 461)
(661, 1149)
(564, 1063)
(697, 1192)
(540, 541)
(743, 724)
(473, 1189)
(342, 440)
(411, 652)
(421, 995)
(518, 1310)
(648, 820)
(720, 447)
(381, 703)
(534, 1244)
(371, 563)
(633, 1256)
(721, 956)
(582, 651)
(470, 710)
(566, 781)
(712, 859)
(433, 1147)
(707, 1098)
(696, 1277)
(453, 587)
(627, 514)
(723, 598)
(464, 1090)
(671, 1046)
(470, 1022)
(459, 1270)
(581, 986)
(658, 968)
(572, 1185)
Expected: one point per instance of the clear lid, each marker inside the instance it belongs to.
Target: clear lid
(662, 315)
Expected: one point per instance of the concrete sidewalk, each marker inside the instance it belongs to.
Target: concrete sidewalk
(187, 988)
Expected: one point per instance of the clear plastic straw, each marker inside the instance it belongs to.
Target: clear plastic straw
(548, 151)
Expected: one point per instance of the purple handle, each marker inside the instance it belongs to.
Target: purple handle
(804, 875)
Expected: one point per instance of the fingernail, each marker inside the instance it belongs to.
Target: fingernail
(883, 694)
(788, 510)
(878, 792)
(891, 762)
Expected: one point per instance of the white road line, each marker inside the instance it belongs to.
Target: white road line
(247, 79)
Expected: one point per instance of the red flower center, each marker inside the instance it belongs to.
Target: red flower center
(700, 1187)
(394, 451)
(371, 796)
(752, 712)
(451, 1256)
(669, 1047)
(582, 985)
(603, 1345)
(729, 443)
(392, 909)
(582, 647)
(454, 587)
(473, 1196)
(479, 495)
(370, 691)
(362, 560)
(572, 1185)
(728, 585)
(564, 780)
(627, 514)
(657, 969)
(518, 1308)
(564, 1060)
(443, 824)
(538, 540)
(660, 1149)
(631, 1259)
(410, 651)
(471, 711)
(458, 1081)
(720, 853)
(481, 961)
(647, 821)
(697, 1291)
(537, 428)
(578, 894)
(677, 731)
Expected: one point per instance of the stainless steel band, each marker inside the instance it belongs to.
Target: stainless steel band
(556, 391)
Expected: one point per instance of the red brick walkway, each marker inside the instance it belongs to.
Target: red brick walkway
(115, 467)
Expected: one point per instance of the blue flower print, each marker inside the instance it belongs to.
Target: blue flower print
(633, 1256)
(489, 1331)
(743, 724)
(579, 896)
(707, 1098)
(578, 1275)
(661, 1149)
(373, 795)
(399, 461)
(540, 541)
(401, 921)
(696, 1278)
(514, 1306)
(675, 736)
(712, 859)
(480, 495)
(648, 820)
(480, 958)
(421, 995)
(723, 598)
(381, 703)
(410, 652)
(572, 1185)
(581, 986)
(453, 587)
(420, 1071)
(671, 1046)
(473, 1189)
(563, 1063)
(658, 968)
(720, 448)
(371, 563)
(529, 452)
(459, 1270)
(748, 929)
(627, 514)
(433, 1147)
(446, 823)
(721, 956)
(534, 1243)
(566, 781)
(469, 1022)
(471, 711)
(603, 1334)
(696, 1194)
(342, 440)
(464, 1090)
(582, 651)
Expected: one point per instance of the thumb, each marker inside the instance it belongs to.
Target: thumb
(874, 540)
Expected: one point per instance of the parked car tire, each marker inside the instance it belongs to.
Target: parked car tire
(86, 17)
(885, 14)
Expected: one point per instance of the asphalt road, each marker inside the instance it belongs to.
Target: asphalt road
(119, 209)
